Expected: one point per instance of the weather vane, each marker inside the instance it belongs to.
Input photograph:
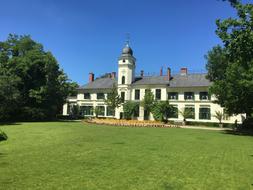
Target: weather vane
(127, 38)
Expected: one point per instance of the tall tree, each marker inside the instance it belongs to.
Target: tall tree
(148, 101)
(113, 98)
(9, 97)
(230, 67)
(36, 80)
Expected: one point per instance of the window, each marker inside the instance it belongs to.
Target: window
(137, 94)
(101, 110)
(204, 96)
(190, 112)
(174, 113)
(124, 60)
(204, 113)
(86, 95)
(110, 111)
(86, 110)
(172, 95)
(100, 96)
(123, 80)
(189, 95)
(158, 94)
(122, 95)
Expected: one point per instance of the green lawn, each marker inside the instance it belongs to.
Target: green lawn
(72, 155)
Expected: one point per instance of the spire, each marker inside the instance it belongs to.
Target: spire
(127, 40)
(127, 49)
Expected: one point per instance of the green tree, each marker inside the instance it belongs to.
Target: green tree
(9, 97)
(35, 79)
(162, 110)
(98, 110)
(113, 98)
(219, 115)
(130, 109)
(230, 67)
(186, 113)
(148, 101)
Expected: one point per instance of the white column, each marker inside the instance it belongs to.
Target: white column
(65, 109)
(105, 111)
(141, 114)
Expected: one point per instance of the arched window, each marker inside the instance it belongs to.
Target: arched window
(123, 80)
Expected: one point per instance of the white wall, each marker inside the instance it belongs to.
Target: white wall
(180, 103)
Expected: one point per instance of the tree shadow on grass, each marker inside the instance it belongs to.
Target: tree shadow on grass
(239, 133)
(2, 154)
(45, 121)
(9, 123)
(62, 120)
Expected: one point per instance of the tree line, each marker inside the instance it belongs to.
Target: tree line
(32, 85)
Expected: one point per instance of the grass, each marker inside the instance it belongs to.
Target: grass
(73, 155)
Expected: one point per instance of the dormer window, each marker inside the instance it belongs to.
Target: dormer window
(123, 80)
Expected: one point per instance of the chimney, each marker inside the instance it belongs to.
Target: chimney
(168, 73)
(183, 71)
(142, 73)
(91, 77)
(161, 71)
(113, 75)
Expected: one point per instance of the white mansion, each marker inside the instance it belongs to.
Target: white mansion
(184, 91)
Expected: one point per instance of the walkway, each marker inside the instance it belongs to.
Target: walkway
(206, 128)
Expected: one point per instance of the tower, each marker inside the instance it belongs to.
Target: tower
(126, 66)
(126, 75)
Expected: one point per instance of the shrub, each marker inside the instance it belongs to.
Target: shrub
(186, 113)
(130, 109)
(218, 115)
(162, 110)
(248, 123)
(3, 136)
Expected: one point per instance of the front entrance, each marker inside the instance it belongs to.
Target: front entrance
(121, 115)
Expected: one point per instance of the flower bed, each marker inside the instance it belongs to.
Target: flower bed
(131, 123)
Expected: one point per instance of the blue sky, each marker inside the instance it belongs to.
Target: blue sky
(88, 35)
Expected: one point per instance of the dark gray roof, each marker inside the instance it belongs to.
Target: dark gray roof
(127, 50)
(146, 80)
(189, 80)
(100, 83)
